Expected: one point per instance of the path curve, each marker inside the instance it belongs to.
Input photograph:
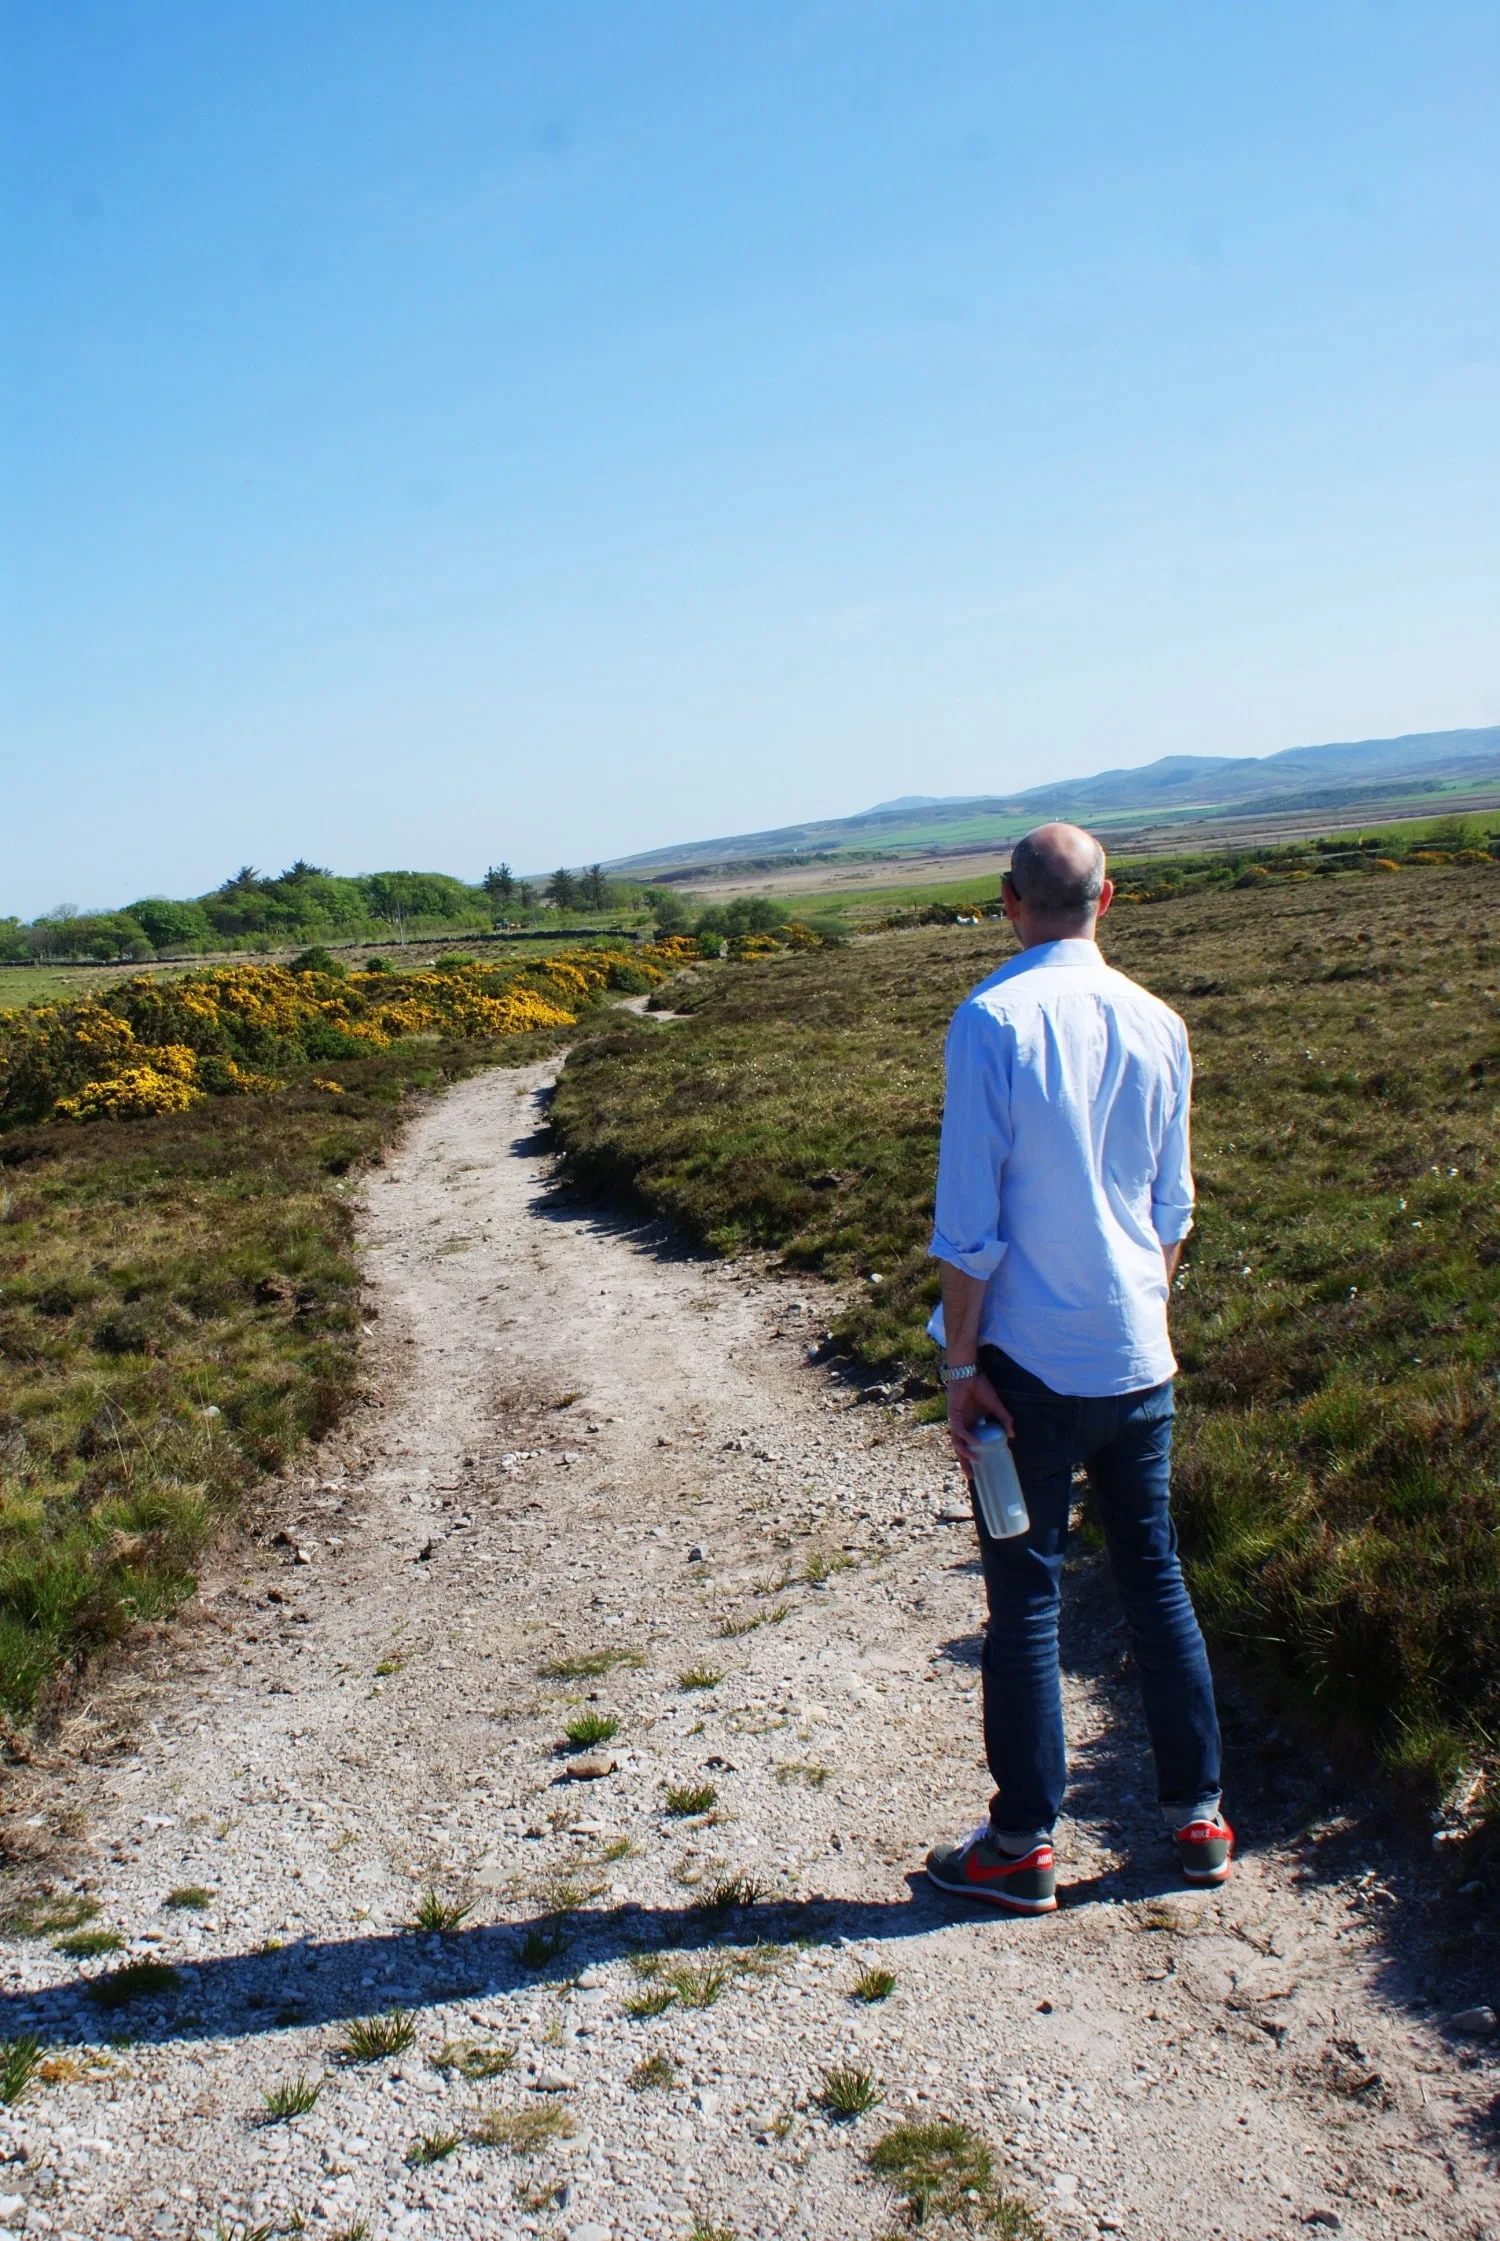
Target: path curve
(580, 1440)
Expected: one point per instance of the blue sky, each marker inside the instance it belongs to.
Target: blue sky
(437, 434)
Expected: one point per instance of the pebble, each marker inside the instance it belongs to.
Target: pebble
(1475, 2023)
(592, 1767)
(553, 2080)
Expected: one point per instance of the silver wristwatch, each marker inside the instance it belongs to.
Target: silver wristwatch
(959, 1375)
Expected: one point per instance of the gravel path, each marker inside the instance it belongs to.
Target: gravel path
(581, 1442)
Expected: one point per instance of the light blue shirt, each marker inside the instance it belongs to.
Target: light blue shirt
(1064, 1167)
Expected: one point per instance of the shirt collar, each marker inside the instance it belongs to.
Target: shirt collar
(1072, 952)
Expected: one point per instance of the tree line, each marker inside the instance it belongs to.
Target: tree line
(307, 902)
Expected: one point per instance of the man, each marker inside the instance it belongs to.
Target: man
(1063, 1197)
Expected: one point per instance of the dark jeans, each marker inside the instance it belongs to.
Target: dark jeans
(1124, 1443)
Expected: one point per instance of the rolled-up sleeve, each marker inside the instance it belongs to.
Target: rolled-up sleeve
(975, 1144)
(1172, 1191)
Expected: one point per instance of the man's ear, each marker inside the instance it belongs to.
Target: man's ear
(1106, 897)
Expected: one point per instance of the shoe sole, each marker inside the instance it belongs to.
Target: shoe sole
(992, 1898)
(1206, 1875)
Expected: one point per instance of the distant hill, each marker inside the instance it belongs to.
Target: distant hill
(1185, 787)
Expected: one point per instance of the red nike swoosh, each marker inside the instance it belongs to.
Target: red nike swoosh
(974, 1873)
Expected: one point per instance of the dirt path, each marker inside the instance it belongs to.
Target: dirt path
(578, 1443)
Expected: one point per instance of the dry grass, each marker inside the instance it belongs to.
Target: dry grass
(523, 2131)
(1339, 1447)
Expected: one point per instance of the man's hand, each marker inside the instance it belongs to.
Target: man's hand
(973, 1397)
(969, 1402)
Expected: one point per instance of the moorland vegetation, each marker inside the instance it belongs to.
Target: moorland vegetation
(1336, 1317)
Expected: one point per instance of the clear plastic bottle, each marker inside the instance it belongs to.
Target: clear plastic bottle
(997, 1489)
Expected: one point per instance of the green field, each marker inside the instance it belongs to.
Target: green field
(1339, 1478)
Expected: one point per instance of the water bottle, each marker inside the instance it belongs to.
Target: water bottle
(997, 1489)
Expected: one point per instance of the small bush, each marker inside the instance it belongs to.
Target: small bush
(191, 1898)
(700, 1677)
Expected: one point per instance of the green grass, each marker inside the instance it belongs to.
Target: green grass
(728, 1892)
(191, 1898)
(685, 1799)
(847, 2092)
(44, 1918)
(700, 1677)
(433, 2147)
(1338, 1477)
(946, 2171)
(20, 2059)
(541, 1944)
(88, 1945)
(374, 2038)
(699, 1986)
(654, 2001)
(872, 1985)
(438, 1916)
(138, 1980)
(178, 1313)
(293, 2097)
(590, 1728)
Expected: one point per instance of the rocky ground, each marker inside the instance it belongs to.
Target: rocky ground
(595, 1476)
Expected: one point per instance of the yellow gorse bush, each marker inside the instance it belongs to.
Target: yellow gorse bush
(151, 1045)
(158, 1046)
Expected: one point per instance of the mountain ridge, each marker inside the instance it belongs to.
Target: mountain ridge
(1174, 785)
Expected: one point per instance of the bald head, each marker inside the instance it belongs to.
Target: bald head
(1056, 880)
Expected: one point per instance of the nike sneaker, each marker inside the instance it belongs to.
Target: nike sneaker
(978, 1869)
(1204, 1849)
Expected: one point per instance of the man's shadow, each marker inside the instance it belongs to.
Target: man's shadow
(312, 1981)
